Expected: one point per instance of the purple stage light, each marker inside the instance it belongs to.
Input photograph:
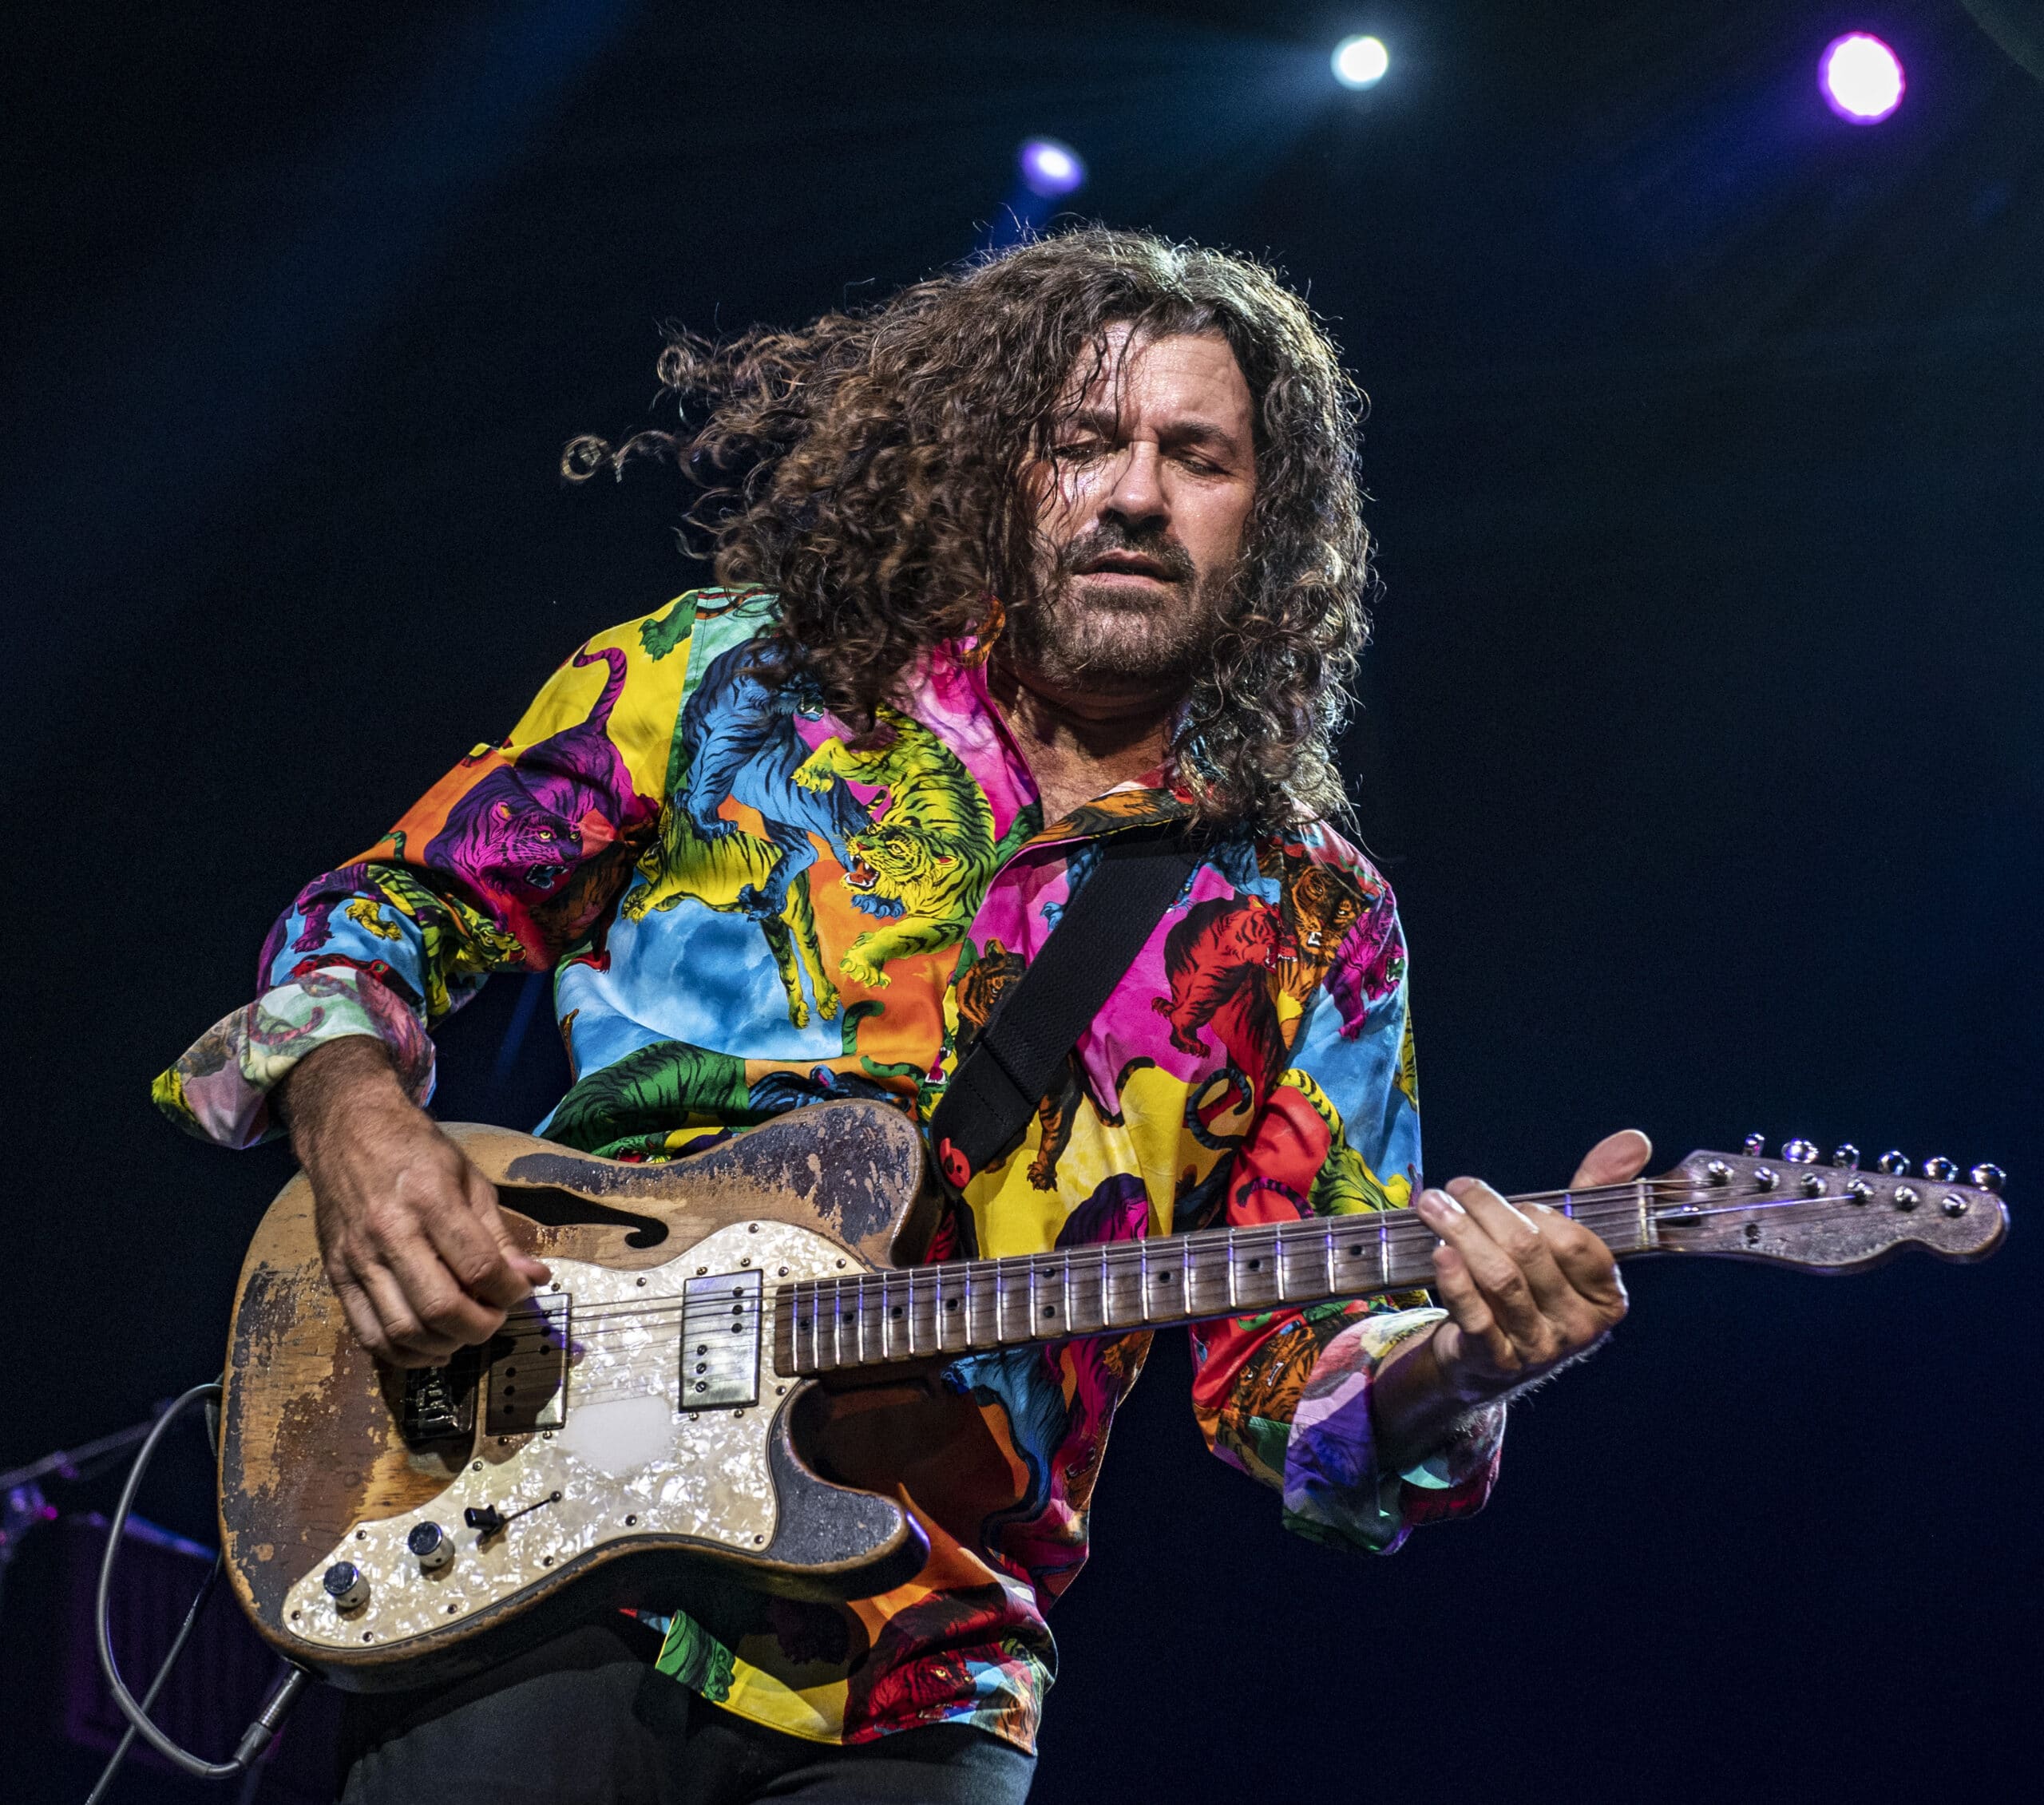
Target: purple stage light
(1050, 168)
(1860, 78)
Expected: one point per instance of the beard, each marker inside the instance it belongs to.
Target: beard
(1080, 635)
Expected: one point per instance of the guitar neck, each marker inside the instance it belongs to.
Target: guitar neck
(878, 1318)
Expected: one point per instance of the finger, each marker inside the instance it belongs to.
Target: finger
(1470, 1312)
(1614, 1159)
(435, 1299)
(1497, 1275)
(409, 1341)
(1589, 1265)
(1521, 1236)
(462, 1239)
(483, 1200)
(361, 1316)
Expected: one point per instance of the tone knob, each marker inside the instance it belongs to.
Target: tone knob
(1847, 1156)
(1940, 1170)
(431, 1547)
(347, 1586)
(1988, 1177)
(1756, 1145)
(1893, 1163)
(1800, 1153)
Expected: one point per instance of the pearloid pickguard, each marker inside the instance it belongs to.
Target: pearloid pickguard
(711, 1480)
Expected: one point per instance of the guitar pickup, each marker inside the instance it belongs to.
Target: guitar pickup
(529, 1368)
(720, 1341)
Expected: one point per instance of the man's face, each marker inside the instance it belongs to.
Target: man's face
(1141, 510)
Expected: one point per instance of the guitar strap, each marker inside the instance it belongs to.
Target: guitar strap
(1021, 1053)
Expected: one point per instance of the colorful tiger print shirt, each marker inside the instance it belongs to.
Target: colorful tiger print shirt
(746, 911)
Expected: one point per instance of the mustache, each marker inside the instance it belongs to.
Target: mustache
(1172, 558)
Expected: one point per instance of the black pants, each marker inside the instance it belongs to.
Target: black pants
(587, 1720)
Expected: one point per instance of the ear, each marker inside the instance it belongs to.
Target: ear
(502, 811)
(945, 859)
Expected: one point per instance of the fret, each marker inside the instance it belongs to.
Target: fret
(1068, 1291)
(1332, 1286)
(1383, 1249)
(976, 1274)
(999, 1304)
(1229, 1254)
(1277, 1263)
(914, 1350)
(1106, 1311)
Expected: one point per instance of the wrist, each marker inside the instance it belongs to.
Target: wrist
(341, 1080)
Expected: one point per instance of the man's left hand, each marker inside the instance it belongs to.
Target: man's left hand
(1526, 1291)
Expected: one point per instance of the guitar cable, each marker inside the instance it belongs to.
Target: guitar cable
(282, 1694)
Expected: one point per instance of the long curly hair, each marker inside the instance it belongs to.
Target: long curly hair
(868, 470)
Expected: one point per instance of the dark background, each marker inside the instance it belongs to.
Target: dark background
(1701, 741)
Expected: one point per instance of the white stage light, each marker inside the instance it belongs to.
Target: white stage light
(1361, 62)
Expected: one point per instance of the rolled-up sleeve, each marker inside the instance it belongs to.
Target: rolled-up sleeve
(1286, 1395)
(514, 858)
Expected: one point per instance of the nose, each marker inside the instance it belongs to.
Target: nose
(1136, 497)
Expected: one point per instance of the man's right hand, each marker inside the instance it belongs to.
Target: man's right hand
(414, 1244)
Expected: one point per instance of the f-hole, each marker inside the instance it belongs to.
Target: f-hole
(553, 1207)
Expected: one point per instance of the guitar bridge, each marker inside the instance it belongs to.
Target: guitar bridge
(439, 1402)
(529, 1368)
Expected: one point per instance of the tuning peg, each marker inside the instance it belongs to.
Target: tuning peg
(1800, 1153)
(1893, 1163)
(1940, 1170)
(1756, 1145)
(1847, 1156)
(1988, 1177)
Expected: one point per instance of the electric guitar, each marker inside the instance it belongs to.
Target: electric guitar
(636, 1432)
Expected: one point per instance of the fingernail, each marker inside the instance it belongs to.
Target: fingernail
(1545, 1209)
(1443, 1202)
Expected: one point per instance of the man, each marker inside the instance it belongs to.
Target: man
(1063, 546)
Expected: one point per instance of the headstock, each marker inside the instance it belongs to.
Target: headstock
(1833, 1217)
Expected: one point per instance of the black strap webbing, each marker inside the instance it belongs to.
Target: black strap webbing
(1041, 1016)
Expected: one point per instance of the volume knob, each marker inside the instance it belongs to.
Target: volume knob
(431, 1547)
(347, 1586)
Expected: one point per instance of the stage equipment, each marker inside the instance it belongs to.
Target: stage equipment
(635, 1432)
(1049, 168)
(1361, 62)
(1861, 78)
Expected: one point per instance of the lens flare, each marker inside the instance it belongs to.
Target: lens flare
(1860, 78)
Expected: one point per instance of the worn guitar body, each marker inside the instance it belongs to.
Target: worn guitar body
(636, 1432)
(674, 1474)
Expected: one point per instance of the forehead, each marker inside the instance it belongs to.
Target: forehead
(1142, 373)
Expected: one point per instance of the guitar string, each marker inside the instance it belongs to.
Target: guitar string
(600, 1391)
(1400, 1222)
(1303, 1241)
(1304, 1235)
